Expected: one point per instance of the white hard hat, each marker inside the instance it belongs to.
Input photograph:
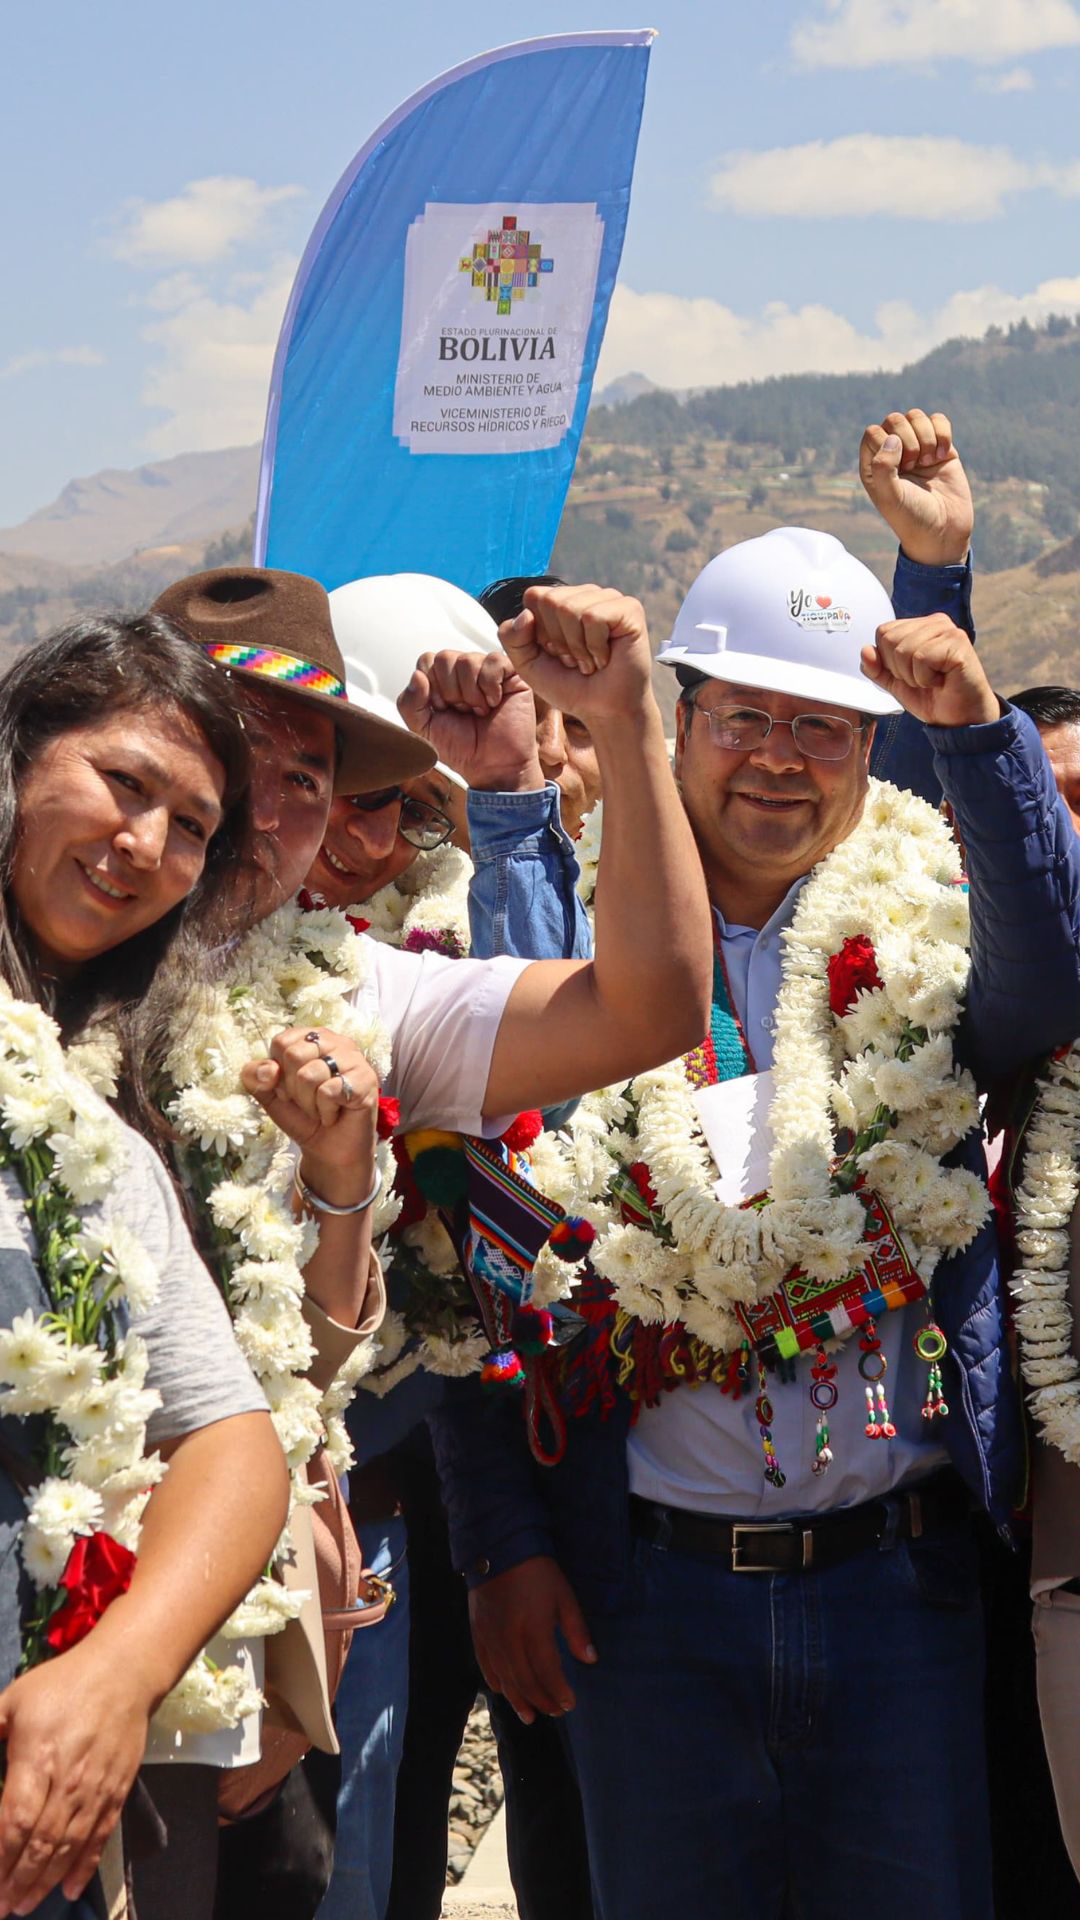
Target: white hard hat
(789, 612)
(384, 623)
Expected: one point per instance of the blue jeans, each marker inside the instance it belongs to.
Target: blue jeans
(370, 1710)
(804, 1746)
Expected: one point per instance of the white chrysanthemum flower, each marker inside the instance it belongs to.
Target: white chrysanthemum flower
(273, 1336)
(61, 1509)
(296, 1413)
(380, 1382)
(454, 1359)
(110, 1407)
(88, 1155)
(44, 1556)
(217, 1122)
(204, 1701)
(28, 1350)
(432, 1244)
(125, 1259)
(268, 1231)
(31, 1112)
(266, 1610)
(74, 1373)
(552, 1279)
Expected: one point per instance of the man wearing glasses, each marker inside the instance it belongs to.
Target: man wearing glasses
(371, 838)
(772, 1681)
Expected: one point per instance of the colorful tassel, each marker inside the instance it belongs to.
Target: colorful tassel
(932, 1346)
(774, 1473)
(824, 1396)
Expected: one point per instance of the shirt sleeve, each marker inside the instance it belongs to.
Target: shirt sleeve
(195, 1363)
(443, 1016)
(523, 895)
(901, 751)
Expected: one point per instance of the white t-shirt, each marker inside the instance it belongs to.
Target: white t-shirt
(442, 1016)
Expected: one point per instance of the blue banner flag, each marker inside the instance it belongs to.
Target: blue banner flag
(437, 355)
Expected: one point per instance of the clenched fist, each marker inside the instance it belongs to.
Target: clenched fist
(913, 474)
(933, 670)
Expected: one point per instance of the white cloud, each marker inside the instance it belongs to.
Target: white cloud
(206, 221)
(698, 343)
(1016, 80)
(879, 33)
(50, 357)
(907, 176)
(212, 355)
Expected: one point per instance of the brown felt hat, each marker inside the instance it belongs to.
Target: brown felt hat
(275, 628)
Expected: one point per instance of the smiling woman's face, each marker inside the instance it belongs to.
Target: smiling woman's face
(114, 822)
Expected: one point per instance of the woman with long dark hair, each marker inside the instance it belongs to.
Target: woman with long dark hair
(123, 802)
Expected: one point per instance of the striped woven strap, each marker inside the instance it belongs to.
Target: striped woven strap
(288, 669)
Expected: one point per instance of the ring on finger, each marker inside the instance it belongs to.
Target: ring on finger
(348, 1091)
(332, 1064)
(313, 1037)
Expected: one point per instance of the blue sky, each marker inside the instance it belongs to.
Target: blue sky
(820, 184)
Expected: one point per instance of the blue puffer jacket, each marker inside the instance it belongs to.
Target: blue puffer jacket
(1024, 999)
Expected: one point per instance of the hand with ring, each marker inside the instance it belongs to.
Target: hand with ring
(319, 1089)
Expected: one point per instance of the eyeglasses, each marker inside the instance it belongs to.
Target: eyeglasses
(423, 826)
(819, 736)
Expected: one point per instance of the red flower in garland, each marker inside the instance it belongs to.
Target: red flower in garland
(639, 1174)
(389, 1119)
(852, 969)
(98, 1571)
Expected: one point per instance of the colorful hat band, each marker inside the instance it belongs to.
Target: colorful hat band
(286, 668)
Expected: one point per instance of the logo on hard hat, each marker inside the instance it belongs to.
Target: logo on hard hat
(818, 610)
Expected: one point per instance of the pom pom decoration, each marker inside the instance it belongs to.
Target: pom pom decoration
(532, 1330)
(439, 1166)
(572, 1238)
(502, 1368)
(521, 1132)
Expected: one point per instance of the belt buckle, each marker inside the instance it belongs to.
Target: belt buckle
(748, 1526)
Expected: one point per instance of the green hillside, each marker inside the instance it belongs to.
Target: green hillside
(662, 484)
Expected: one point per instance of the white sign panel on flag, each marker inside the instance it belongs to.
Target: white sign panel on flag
(496, 313)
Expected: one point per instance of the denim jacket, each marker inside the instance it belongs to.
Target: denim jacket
(522, 901)
(902, 751)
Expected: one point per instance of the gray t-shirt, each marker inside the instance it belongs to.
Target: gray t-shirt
(194, 1361)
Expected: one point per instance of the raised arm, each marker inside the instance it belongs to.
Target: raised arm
(913, 475)
(478, 713)
(571, 1026)
(1022, 855)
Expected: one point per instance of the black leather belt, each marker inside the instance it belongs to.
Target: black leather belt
(818, 1540)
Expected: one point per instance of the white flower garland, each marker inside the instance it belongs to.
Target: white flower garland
(426, 906)
(426, 909)
(77, 1367)
(885, 1071)
(1044, 1203)
(298, 968)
